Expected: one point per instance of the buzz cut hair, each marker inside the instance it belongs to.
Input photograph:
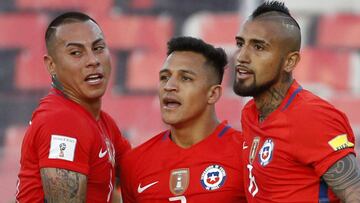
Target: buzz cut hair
(65, 18)
(215, 57)
(274, 6)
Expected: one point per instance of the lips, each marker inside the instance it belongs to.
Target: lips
(94, 78)
(171, 102)
(242, 72)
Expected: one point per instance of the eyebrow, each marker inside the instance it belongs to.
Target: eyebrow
(181, 70)
(82, 45)
(256, 41)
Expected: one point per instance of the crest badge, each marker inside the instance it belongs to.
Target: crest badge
(254, 146)
(213, 177)
(266, 152)
(179, 180)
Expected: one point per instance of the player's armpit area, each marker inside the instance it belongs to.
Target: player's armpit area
(61, 185)
(344, 179)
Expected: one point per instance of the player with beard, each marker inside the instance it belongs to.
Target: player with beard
(198, 158)
(298, 147)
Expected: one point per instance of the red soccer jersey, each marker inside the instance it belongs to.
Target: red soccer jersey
(62, 134)
(287, 154)
(210, 171)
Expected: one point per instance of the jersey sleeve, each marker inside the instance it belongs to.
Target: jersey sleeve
(64, 141)
(322, 135)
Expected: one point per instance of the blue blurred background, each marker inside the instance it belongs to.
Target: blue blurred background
(137, 32)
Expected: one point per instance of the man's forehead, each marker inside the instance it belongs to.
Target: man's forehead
(258, 29)
(78, 30)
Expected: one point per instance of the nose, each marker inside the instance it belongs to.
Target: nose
(93, 60)
(242, 55)
(171, 84)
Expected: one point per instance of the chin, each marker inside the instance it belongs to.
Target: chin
(170, 120)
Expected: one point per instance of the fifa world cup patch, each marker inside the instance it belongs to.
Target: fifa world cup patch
(340, 142)
(213, 177)
(179, 180)
(266, 152)
(62, 147)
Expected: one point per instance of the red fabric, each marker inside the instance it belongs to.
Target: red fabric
(157, 158)
(300, 130)
(57, 115)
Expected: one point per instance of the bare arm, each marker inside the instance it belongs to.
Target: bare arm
(344, 179)
(61, 185)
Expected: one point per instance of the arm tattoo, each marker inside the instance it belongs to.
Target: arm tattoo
(61, 185)
(344, 179)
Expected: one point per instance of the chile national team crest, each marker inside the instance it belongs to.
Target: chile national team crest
(266, 152)
(213, 177)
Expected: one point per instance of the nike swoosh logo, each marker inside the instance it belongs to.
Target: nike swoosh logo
(102, 153)
(142, 189)
(245, 146)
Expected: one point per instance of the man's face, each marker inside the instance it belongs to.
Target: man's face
(81, 60)
(184, 87)
(259, 57)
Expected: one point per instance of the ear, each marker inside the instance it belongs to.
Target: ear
(50, 65)
(291, 61)
(214, 94)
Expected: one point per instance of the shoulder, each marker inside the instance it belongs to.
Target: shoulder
(230, 136)
(309, 106)
(147, 148)
(55, 116)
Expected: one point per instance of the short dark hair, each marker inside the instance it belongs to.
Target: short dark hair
(215, 57)
(273, 6)
(65, 18)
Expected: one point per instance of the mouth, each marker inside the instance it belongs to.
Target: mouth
(94, 79)
(243, 72)
(171, 103)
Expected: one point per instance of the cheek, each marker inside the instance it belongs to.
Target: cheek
(266, 69)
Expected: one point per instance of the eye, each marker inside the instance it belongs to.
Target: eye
(99, 48)
(75, 53)
(164, 78)
(185, 78)
(259, 47)
(239, 44)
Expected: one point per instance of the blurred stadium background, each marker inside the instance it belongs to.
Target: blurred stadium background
(137, 32)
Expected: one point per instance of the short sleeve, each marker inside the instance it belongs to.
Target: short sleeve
(322, 135)
(64, 141)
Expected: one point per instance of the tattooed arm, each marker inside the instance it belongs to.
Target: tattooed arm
(344, 179)
(61, 185)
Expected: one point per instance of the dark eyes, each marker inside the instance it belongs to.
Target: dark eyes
(99, 48)
(75, 53)
(259, 47)
(166, 78)
(239, 44)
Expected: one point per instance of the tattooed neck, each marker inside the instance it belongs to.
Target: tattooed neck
(271, 99)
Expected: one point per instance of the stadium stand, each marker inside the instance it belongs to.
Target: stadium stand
(339, 31)
(328, 68)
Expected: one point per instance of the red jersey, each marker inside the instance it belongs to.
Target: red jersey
(62, 134)
(287, 154)
(210, 171)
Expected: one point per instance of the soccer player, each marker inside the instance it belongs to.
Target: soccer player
(198, 158)
(71, 148)
(298, 147)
